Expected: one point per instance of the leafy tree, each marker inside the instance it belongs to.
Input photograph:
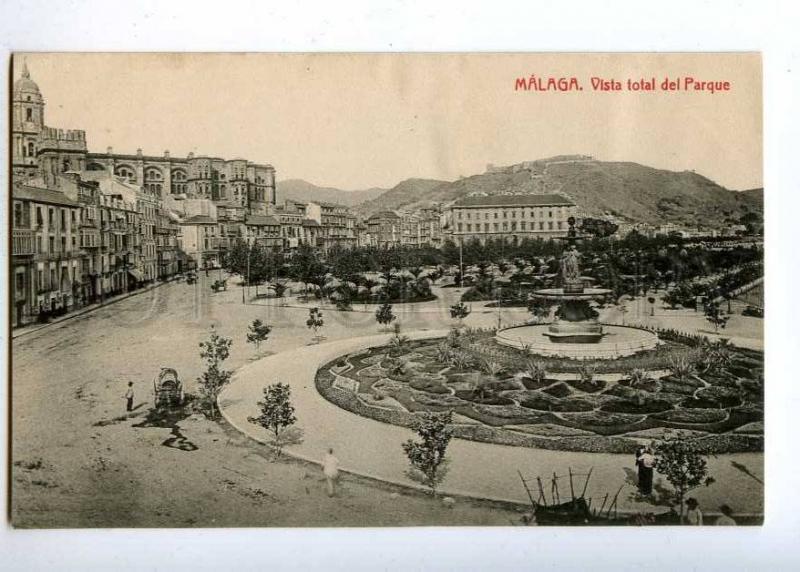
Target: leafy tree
(384, 314)
(539, 308)
(427, 456)
(306, 267)
(258, 333)
(315, 321)
(459, 311)
(214, 351)
(276, 412)
(684, 464)
(598, 227)
(279, 288)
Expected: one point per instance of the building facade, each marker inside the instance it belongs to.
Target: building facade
(510, 216)
(46, 254)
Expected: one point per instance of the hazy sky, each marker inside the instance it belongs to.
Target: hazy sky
(358, 121)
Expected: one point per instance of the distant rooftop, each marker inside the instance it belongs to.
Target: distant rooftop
(200, 219)
(514, 201)
(261, 220)
(385, 214)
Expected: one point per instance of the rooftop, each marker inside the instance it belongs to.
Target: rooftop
(38, 195)
(261, 220)
(514, 201)
(199, 219)
(384, 214)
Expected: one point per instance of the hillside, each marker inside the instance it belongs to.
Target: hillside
(409, 192)
(627, 190)
(300, 190)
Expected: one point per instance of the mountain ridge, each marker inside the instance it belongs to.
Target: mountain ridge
(625, 189)
(304, 191)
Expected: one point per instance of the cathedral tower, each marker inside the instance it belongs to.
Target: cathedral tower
(27, 119)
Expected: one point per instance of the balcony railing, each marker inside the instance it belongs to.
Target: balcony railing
(22, 243)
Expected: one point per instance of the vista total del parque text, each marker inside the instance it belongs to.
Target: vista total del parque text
(679, 83)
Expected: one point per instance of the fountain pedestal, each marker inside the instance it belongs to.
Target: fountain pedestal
(576, 322)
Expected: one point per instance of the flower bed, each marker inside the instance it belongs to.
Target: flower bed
(570, 414)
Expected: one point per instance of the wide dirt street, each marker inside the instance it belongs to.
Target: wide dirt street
(79, 460)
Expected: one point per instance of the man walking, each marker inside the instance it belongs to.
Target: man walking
(129, 396)
(330, 467)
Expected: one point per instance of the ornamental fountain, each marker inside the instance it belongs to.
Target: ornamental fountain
(576, 332)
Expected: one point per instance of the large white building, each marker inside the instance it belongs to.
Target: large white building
(511, 216)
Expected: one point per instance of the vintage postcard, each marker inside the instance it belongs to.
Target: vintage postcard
(294, 290)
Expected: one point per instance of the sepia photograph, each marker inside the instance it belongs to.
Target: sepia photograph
(349, 290)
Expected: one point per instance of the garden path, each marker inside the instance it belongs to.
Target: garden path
(373, 449)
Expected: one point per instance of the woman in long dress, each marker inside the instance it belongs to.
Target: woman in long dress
(645, 462)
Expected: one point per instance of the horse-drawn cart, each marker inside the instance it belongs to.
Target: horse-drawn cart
(167, 388)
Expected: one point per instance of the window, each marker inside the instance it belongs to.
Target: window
(63, 219)
(505, 214)
(20, 285)
(559, 224)
(550, 225)
(522, 225)
(541, 225)
(31, 149)
(39, 217)
(28, 114)
(513, 214)
(514, 225)
(460, 226)
(486, 227)
(469, 228)
(550, 213)
(505, 226)
(17, 215)
(51, 215)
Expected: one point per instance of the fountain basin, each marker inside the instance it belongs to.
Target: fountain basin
(617, 341)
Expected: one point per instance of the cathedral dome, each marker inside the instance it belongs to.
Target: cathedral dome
(25, 85)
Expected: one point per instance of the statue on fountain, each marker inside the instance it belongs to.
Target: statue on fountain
(570, 271)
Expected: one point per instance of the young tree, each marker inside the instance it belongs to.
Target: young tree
(684, 465)
(315, 321)
(427, 456)
(276, 412)
(214, 351)
(713, 315)
(384, 314)
(258, 332)
(459, 311)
